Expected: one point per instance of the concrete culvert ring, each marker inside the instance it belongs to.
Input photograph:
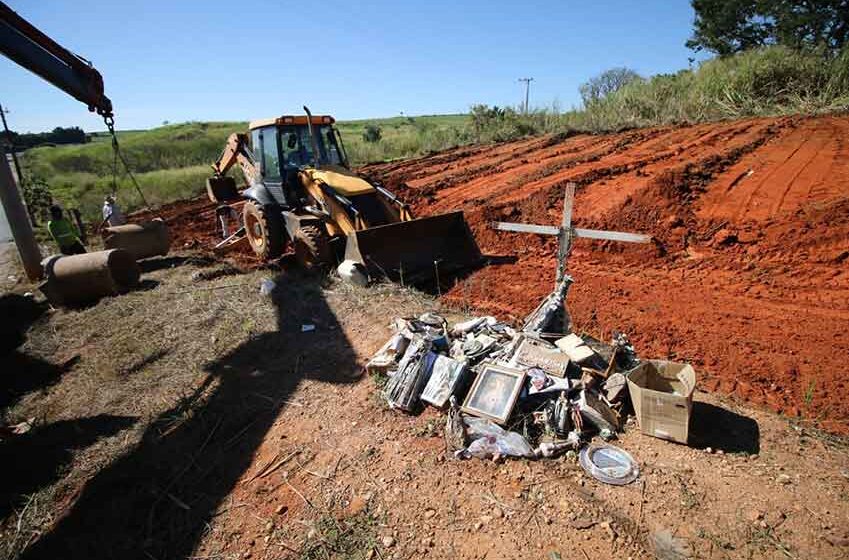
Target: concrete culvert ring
(123, 269)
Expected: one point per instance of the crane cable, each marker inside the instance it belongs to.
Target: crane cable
(118, 154)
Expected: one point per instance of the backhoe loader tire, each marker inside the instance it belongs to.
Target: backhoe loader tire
(264, 230)
(312, 247)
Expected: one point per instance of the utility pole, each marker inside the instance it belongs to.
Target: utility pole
(11, 145)
(527, 91)
(15, 158)
(16, 213)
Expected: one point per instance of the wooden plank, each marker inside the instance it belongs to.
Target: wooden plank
(527, 228)
(612, 235)
(564, 236)
(576, 232)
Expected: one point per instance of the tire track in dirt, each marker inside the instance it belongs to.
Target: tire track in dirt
(809, 163)
(403, 171)
(482, 163)
(627, 162)
(484, 187)
(619, 156)
(426, 184)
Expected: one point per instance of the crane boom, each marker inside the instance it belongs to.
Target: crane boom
(25, 44)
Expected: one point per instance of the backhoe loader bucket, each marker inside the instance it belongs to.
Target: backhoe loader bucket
(416, 251)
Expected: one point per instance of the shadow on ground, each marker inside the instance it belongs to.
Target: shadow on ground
(156, 501)
(147, 266)
(21, 372)
(37, 458)
(720, 428)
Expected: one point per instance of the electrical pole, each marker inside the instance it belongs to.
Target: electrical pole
(11, 145)
(527, 91)
(17, 163)
(16, 215)
(16, 212)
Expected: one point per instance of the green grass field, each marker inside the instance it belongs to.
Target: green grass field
(172, 162)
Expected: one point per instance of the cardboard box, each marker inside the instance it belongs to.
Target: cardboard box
(662, 393)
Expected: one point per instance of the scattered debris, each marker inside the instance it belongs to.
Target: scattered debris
(493, 441)
(215, 273)
(495, 392)
(669, 547)
(406, 385)
(573, 346)
(446, 375)
(353, 272)
(530, 393)
(7, 432)
(455, 430)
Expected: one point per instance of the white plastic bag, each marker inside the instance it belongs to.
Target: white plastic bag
(266, 286)
(491, 440)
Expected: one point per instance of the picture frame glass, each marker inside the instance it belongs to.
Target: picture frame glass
(495, 393)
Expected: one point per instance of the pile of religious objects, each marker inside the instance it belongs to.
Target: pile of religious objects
(525, 392)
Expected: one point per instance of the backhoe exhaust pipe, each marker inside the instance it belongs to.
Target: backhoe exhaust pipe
(316, 154)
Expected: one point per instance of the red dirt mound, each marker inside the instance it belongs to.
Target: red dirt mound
(747, 278)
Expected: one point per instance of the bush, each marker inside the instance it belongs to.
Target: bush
(765, 81)
(606, 84)
(372, 133)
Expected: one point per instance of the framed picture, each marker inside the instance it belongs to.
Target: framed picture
(494, 392)
(533, 353)
(446, 375)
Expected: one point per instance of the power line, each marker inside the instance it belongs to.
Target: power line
(527, 92)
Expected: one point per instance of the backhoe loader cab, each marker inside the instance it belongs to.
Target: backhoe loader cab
(285, 144)
(301, 191)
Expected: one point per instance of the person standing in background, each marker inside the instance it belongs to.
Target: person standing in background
(112, 215)
(63, 233)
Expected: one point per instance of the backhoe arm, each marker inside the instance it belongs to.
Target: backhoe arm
(237, 151)
(38, 53)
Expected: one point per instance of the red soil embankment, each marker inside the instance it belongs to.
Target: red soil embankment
(748, 280)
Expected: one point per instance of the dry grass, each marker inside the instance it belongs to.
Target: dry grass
(152, 365)
(153, 342)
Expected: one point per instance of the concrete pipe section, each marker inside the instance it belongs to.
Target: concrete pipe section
(140, 240)
(84, 278)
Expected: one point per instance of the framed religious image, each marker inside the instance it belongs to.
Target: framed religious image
(494, 392)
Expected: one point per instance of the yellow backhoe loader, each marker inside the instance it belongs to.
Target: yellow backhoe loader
(301, 191)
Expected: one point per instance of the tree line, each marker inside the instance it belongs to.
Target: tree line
(59, 135)
(728, 27)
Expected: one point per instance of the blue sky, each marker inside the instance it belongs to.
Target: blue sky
(241, 59)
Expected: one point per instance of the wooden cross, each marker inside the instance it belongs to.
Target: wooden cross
(565, 233)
